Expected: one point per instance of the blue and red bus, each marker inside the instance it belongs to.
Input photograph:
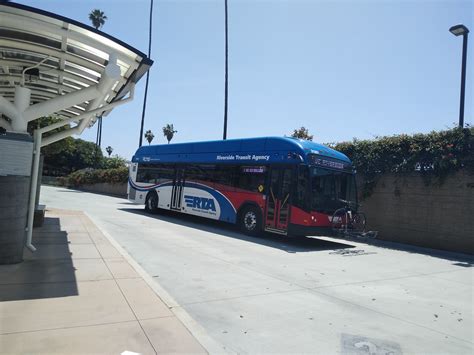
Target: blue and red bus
(277, 184)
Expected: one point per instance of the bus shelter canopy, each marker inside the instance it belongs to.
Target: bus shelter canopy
(69, 68)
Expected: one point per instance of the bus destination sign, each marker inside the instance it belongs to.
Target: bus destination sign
(326, 163)
(253, 169)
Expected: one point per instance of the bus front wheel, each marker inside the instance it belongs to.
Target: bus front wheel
(151, 202)
(251, 221)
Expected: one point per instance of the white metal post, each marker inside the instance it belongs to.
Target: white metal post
(34, 180)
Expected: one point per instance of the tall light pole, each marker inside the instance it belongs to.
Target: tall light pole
(459, 30)
(147, 75)
(226, 84)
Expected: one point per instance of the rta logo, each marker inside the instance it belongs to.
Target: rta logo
(201, 203)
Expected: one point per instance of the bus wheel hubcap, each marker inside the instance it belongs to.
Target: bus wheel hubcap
(250, 220)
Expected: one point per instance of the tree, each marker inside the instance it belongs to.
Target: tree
(97, 18)
(55, 154)
(168, 132)
(302, 133)
(68, 155)
(109, 150)
(149, 136)
(113, 163)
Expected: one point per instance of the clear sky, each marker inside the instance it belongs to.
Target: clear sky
(343, 69)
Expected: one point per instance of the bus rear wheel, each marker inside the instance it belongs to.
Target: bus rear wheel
(250, 221)
(151, 202)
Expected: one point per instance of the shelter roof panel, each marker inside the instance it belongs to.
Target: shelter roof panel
(69, 56)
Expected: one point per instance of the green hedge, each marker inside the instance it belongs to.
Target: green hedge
(90, 176)
(433, 155)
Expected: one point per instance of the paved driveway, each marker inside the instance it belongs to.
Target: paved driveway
(313, 295)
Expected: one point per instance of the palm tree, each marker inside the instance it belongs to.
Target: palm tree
(109, 150)
(168, 132)
(97, 18)
(149, 136)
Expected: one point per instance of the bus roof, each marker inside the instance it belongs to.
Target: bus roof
(247, 150)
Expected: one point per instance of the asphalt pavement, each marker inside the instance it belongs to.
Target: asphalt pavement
(270, 294)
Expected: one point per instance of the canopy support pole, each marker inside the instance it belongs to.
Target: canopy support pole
(34, 181)
(37, 144)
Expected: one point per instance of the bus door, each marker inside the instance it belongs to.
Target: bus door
(277, 212)
(177, 190)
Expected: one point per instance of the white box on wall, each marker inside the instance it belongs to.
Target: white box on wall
(16, 154)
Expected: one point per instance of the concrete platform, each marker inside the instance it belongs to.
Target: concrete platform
(79, 294)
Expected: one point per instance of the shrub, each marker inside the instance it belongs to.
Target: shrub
(90, 176)
(433, 155)
(112, 162)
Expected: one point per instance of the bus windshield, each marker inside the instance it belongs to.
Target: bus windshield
(329, 187)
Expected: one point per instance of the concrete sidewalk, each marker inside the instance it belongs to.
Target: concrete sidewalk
(79, 294)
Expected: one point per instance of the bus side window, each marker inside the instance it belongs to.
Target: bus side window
(199, 173)
(222, 177)
(191, 172)
(302, 188)
(251, 178)
(155, 174)
(164, 173)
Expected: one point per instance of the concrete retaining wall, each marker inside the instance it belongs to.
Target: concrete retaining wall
(14, 193)
(404, 209)
(108, 189)
(49, 180)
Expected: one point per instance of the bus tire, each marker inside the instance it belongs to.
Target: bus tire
(250, 220)
(151, 202)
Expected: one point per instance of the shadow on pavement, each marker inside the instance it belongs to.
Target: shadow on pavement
(462, 260)
(288, 244)
(466, 264)
(47, 273)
